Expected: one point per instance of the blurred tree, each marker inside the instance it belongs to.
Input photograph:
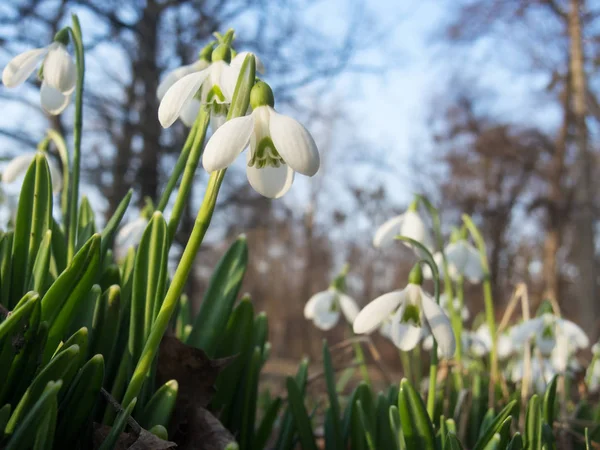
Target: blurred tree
(549, 38)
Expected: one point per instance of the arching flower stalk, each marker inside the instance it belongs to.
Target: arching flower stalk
(413, 315)
(279, 146)
(57, 72)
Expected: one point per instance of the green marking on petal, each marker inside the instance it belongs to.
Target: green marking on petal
(265, 155)
(411, 314)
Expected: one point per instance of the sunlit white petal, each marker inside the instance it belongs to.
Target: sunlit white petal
(52, 100)
(576, 337)
(384, 236)
(227, 143)
(439, 325)
(17, 167)
(271, 182)
(376, 312)
(349, 307)
(311, 304)
(178, 94)
(405, 336)
(294, 143)
(59, 69)
(22, 66)
(190, 111)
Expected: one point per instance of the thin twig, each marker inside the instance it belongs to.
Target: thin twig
(136, 427)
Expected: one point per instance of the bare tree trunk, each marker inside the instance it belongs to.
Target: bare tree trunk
(148, 174)
(584, 217)
(556, 208)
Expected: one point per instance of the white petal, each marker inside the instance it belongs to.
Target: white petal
(59, 69)
(271, 182)
(414, 228)
(438, 259)
(227, 81)
(189, 112)
(349, 308)
(130, 235)
(314, 301)
(326, 320)
(560, 356)
(217, 121)
(294, 143)
(174, 76)
(439, 324)
(384, 236)
(457, 254)
(52, 100)
(239, 60)
(177, 95)
(404, 335)
(505, 347)
(524, 331)
(227, 143)
(21, 66)
(17, 167)
(574, 334)
(473, 269)
(376, 312)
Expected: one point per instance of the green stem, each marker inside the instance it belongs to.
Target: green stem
(406, 365)
(72, 215)
(416, 362)
(488, 302)
(178, 169)
(458, 325)
(176, 288)
(433, 369)
(61, 147)
(360, 359)
(191, 165)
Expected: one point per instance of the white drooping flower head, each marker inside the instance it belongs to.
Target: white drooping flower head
(185, 90)
(58, 72)
(324, 307)
(483, 344)
(17, 168)
(465, 259)
(279, 146)
(413, 315)
(408, 224)
(545, 331)
(129, 236)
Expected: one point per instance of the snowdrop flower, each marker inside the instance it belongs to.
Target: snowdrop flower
(279, 146)
(414, 314)
(465, 259)
(483, 344)
(19, 165)
(58, 71)
(213, 86)
(408, 224)
(324, 308)
(542, 372)
(464, 311)
(129, 236)
(546, 330)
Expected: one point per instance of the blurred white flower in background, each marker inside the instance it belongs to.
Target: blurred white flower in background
(325, 307)
(129, 236)
(16, 169)
(58, 72)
